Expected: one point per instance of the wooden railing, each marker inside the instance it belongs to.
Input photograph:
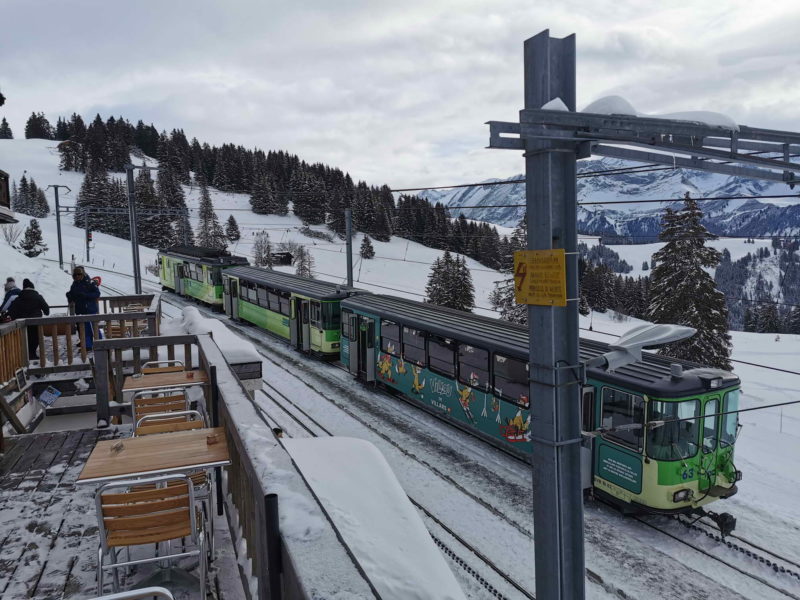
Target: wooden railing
(123, 316)
(13, 350)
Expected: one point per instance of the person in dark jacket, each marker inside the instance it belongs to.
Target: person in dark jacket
(84, 294)
(12, 291)
(29, 305)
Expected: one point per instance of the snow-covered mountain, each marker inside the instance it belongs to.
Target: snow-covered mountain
(638, 220)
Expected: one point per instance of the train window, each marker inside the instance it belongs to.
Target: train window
(390, 338)
(442, 355)
(286, 308)
(710, 425)
(316, 315)
(274, 301)
(414, 346)
(623, 409)
(262, 297)
(215, 275)
(511, 380)
(730, 421)
(346, 323)
(473, 366)
(330, 315)
(676, 439)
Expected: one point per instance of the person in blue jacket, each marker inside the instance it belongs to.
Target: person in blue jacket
(84, 294)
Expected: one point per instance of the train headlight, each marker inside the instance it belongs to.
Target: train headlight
(682, 496)
(335, 345)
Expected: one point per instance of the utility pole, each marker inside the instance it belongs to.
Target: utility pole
(58, 223)
(348, 219)
(137, 274)
(86, 233)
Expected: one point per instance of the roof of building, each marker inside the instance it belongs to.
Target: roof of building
(651, 376)
(303, 286)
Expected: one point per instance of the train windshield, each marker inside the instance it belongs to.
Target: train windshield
(674, 440)
(730, 421)
(330, 315)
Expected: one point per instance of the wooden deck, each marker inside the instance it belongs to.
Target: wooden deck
(48, 529)
(48, 526)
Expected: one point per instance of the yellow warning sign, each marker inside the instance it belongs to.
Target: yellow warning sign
(540, 277)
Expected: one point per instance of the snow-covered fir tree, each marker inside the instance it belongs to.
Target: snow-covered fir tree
(793, 322)
(303, 262)
(155, 225)
(209, 231)
(262, 250)
(450, 283)
(232, 230)
(32, 243)
(367, 251)
(682, 292)
(38, 127)
(169, 190)
(583, 305)
(502, 296)
(5, 130)
(92, 199)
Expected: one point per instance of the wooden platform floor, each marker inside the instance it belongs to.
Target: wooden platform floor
(48, 524)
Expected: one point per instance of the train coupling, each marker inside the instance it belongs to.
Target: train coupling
(726, 522)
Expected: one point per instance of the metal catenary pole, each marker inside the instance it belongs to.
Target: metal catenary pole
(550, 169)
(86, 233)
(348, 219)
(137, 274)
(58, 223)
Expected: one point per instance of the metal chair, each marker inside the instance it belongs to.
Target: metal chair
(173, 366)
(153, 516)
(158, 400)
(140, 594)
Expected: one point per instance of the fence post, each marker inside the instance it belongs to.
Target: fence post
(274, 566)
(101, 383)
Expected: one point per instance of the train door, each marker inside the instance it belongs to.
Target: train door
(226, 295)
(178, 272)
(353, 342)
(587, 445)
(234, 298)
(305, 329)
(294, 322)
(366, 349)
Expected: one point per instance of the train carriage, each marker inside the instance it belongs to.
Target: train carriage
(196, 272)
(301, 310)
(473, 371)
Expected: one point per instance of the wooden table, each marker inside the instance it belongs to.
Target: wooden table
(160, 380)
(152, 455)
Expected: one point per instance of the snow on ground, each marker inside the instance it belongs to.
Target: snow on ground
(375, 517)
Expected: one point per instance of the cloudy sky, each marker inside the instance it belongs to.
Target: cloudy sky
(393, 92)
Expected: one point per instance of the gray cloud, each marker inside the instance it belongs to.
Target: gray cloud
(392, 92)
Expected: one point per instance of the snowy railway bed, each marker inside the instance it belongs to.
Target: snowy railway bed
(502, 482)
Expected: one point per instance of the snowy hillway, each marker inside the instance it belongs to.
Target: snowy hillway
(767, 451)
(640, 221)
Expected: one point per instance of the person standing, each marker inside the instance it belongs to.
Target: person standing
(29, 305)
(84, 294)
(12, 291)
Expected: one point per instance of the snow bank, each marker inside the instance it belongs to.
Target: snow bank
(48, 279)
(617, 105)
(234, 348)
(375, 518)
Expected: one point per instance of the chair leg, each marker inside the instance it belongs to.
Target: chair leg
(114, 570)
(203, 564)
(100, 571)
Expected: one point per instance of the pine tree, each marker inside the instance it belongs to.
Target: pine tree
(645, 266)
(155, 226)
(303, 262)
(92, 198)
(232, 229)
(450, 283)
(32, 244)
(209, 231)
(502, 296)
(367, 251)
(583, 305)
(682, 291)
(464, 291)
(262, 250)
(5, 130)
(38, 127)
(793, 324)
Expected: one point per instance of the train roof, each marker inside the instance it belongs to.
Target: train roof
(287, 282)
(652, 375)
(209, 256)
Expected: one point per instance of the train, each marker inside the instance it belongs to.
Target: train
(660, 433)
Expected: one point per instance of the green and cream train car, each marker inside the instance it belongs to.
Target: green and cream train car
(196, 272)
(302, 311)
(659, 443)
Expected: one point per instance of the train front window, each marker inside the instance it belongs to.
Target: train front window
(625, 412)
(330, 315)
(676, 439)
(730, 420)
(710, 426)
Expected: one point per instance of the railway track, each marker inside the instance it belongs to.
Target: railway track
(777, 565)
(436, 527)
